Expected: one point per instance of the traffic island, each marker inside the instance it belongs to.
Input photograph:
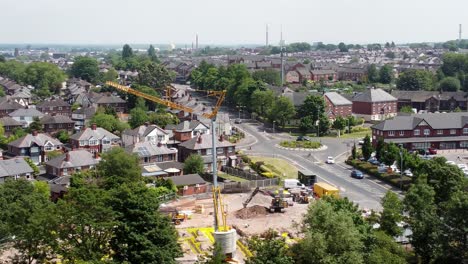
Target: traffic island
(301, 145)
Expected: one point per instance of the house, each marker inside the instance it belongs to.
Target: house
(108, 100)
(352, 73)
(94, 139)
(54, 107)
(35, 145)
(9, 125)
(431, 101)
(292, 77)
(26, 116)
(146, 132)
(337, 105)
(190, 184)
(156, 159)
(202, 145)
(8, 106)
(423, 131)
(304, 74)
(53, 124)
(374, 104)
(187, 130)
(72, 162)
(14, 169)
(82, 115)
(326, 75)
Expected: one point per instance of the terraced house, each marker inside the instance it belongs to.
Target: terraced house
(423, 131)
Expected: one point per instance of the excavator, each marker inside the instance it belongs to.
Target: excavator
(246, 202)
(277, 203)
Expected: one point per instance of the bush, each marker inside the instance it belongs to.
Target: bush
(392, 178)
(359, 129)
(301, 144)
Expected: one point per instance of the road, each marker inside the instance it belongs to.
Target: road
(367, 192)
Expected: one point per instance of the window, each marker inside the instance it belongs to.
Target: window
(105, 141)
(209, 152)
(465, 130)
(463, 144)
(65, 171)
(21, 117)
(48, 147)
(402, 133)
(35, 149)
(230, 149)
(82, 142)
(60, 108)
(199, 152)
(159, 158)
(453, 131)
(78, 168)
(160, 137)
(93, 142)
(427, 132)
(440, 132)
(391, 133)
(219, 151)
(416, 132)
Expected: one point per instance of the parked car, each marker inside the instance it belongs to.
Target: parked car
(357, 174)
(382, 168)
(373, 161)
(394, 169)
(361, 142)
(408, 173)
(237, 121)
(302, 138)
(432, 151)
(330, 160)
(462, 166)
(450, 162)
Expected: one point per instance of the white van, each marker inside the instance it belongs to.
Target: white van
(293, 183)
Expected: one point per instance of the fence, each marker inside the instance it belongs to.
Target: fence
(167, 197)
(232, 187)
(241, 173)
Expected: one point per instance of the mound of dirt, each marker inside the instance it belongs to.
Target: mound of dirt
(251, 212)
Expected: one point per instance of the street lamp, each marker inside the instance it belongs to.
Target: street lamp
(240, 109)
(401, 167)
(274, 126)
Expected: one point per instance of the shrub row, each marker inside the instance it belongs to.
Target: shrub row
(301, 144)
(392, 178)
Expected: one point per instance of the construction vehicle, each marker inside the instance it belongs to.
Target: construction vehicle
(300, 196)
(174, 214)
(278, 204)
(246, 202)
(321, 189)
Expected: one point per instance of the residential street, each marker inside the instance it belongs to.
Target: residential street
(366, 192)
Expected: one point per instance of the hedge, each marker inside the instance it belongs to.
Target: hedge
(301, 144)
(392, 178)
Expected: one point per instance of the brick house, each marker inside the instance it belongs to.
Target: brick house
(71, 162)
(14, 169)
(326, 75)
(422, 131)
(337, 105)
(202, 144)
(34, 146)
(8, 106)
(156, 159)
(9, 125)
(304, 74)
(374, 104)
(53, 124)
(26, 116)
(190, 184)
(146, 132)
(352, 74)
(110, 101)
(82, 115)
(55, 107)
(431, 101)
(94, 139)
(187, 130)
(292, 77)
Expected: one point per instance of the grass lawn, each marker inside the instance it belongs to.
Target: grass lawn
(360, 134)
(230, 177)
(278, 166)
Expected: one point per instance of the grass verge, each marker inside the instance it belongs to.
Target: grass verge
(278, 166)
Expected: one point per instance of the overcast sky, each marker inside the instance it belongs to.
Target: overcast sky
(229, 22)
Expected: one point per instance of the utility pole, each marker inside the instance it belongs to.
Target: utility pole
(266, 39)
(281, 49)
(214, 169)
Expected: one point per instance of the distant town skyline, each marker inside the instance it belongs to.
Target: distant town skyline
(230, 23)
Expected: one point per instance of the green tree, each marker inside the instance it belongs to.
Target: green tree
(85, 68)
(127, 52)
(152, 53)
(44, 75)
(154, 75)
(2, 58)
(193, 164)
(42, 187)
(379, 148)
(163, 119)
(118, 167)
(110, 75)
(63, 136)
(449, 84)
(342, 47)
(108, 122)
(406, 109)
(392, 214)
(339, 123)
(367, 148)
(392, 45)
(354, 151)
(390, 54)
(306, 124)
(313, 106)
(270, 76)
(282, 110)
(323, 125)
(386, 74)
(270, 249)
(263, 101)
(372, 74)
(36, 125)
(33, 166)
(138, 117)
(415, 80)
(385, 250)
(141, 233)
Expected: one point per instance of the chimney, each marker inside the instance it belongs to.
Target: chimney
(93, 126)
(34, 133)
(67, 156)
(159, 144)
(221, 138)
(199, 140)
(146, 124)
(96, 155)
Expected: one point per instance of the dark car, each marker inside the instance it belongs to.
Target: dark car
(357, 174)
(373, 161)
(237, 121)
(302, 138)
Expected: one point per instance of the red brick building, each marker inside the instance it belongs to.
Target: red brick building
(72, 162)
(190, 184)
(326, 75)
(374, 104)
(53, 124)
(337, 105)
(55, 107)
(94, 139)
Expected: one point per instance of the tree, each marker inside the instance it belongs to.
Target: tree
(31, 164)
(385, 250)
(110, 75)
(194, 164)
(269, 249)
(44, 76)
(406, 109)
(313, 106)
(386, 74)
(392, 214)
(36, 125)
(354, 151)
(63, 136)
(141, 233)
(118, 167)
(372, 73)
(367, 148)
(449, 84)
(108, 122)
(270, 76)
(263, 101)
(323, 124)
(379, 148)
(163, 119)
(152, 53)
(2, 58)
(306, 124)
(138, 117)
(392, 45)
(390, 54)
(154, 75)
(415, 80)
(85, 68)
(339, 123)
(342, 47)
(282, 110)
(127, 52)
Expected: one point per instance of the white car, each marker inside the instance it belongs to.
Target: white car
(450, 162)
(462, 166)
(465, 171)
(408, 173)
(395, 169)
(330, 160)
(382, 168)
